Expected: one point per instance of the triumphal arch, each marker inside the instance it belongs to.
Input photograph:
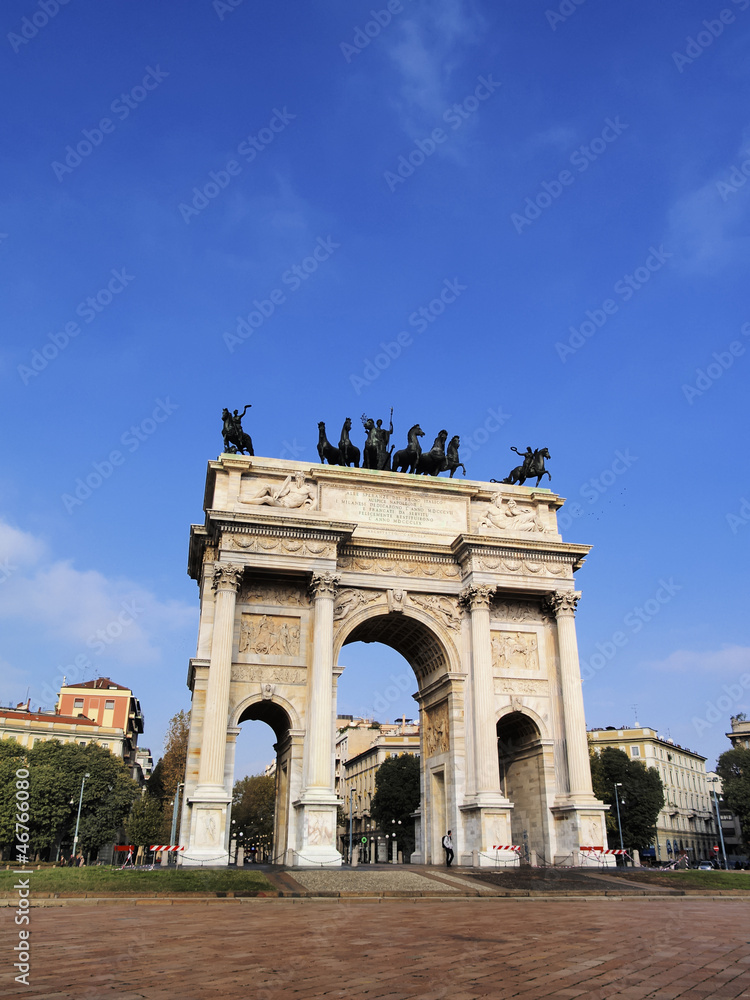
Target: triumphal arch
(469, 581)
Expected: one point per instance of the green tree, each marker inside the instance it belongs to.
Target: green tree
(56, 772)
(641, 797)
(396, 797)
(145, 825)
(733, 767)
(253, 805)
(170, 768)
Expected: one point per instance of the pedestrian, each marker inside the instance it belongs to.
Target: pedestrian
(448, 847)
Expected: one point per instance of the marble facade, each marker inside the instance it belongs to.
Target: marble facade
(471, 582)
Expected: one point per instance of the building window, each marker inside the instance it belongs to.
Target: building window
(109, 704)
(635, 751)
(105, 746)
(78, 703)
(82, 743)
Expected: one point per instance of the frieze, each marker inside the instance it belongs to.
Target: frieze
(273, 593)
(491, 564)
(516, 611)
(509, 517)
(514, 686)
(268, 674)
(262, 544)
(436, 729)
(269, 635)
(445, 609)
(395, 566)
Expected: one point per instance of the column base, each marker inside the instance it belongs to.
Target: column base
(485, 827)
(316, 830)
(209, 812)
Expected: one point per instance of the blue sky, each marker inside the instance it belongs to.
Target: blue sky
(573, 172)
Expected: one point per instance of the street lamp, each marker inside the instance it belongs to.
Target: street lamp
(618, 784)
(175, 810)
(718, 821)
(78, 817)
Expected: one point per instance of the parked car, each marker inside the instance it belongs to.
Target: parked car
(705, 866)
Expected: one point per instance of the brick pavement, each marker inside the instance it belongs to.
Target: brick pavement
(458, 949)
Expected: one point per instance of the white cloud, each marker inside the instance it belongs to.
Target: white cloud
(107, 623)
(426, 49)
(706, 225)
(19, 548)
(729, 661)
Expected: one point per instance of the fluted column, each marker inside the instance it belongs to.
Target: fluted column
(226, 582)
(319, 737)
(487, 771)
(563, 605)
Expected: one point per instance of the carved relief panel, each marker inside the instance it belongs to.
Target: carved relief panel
(514, 651)
(269, 635)
(436, 729)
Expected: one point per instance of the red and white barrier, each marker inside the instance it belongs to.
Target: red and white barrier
(506, 847)
(601, 850)
(166, 847)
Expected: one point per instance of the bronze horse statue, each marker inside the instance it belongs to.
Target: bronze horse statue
(376, 454)
(533, 466)
(451, 457)
(326, 451)
(433, 461)
(406, 460)
(349, 452)
(236, 441)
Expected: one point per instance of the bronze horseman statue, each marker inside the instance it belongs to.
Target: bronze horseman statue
(236, 441)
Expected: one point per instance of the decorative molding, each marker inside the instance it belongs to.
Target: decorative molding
(491, 564)
(269, 635)
(268, 674)
(323, 585)
(445, 609)
(514, 686)
(563, 602)
(436, 729)
(350, 600)
(227, 578)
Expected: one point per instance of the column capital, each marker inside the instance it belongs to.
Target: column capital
(562, 602)
(477, 597)
(227, 578)
(323, 585)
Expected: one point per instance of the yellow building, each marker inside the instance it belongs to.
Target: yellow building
(361, 747)
(687, 821)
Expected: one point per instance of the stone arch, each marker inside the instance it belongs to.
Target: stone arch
(521, 757)
(432, 654)
(283, 719)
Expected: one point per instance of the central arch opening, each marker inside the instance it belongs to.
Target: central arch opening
(386, 658)
(521, 757)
